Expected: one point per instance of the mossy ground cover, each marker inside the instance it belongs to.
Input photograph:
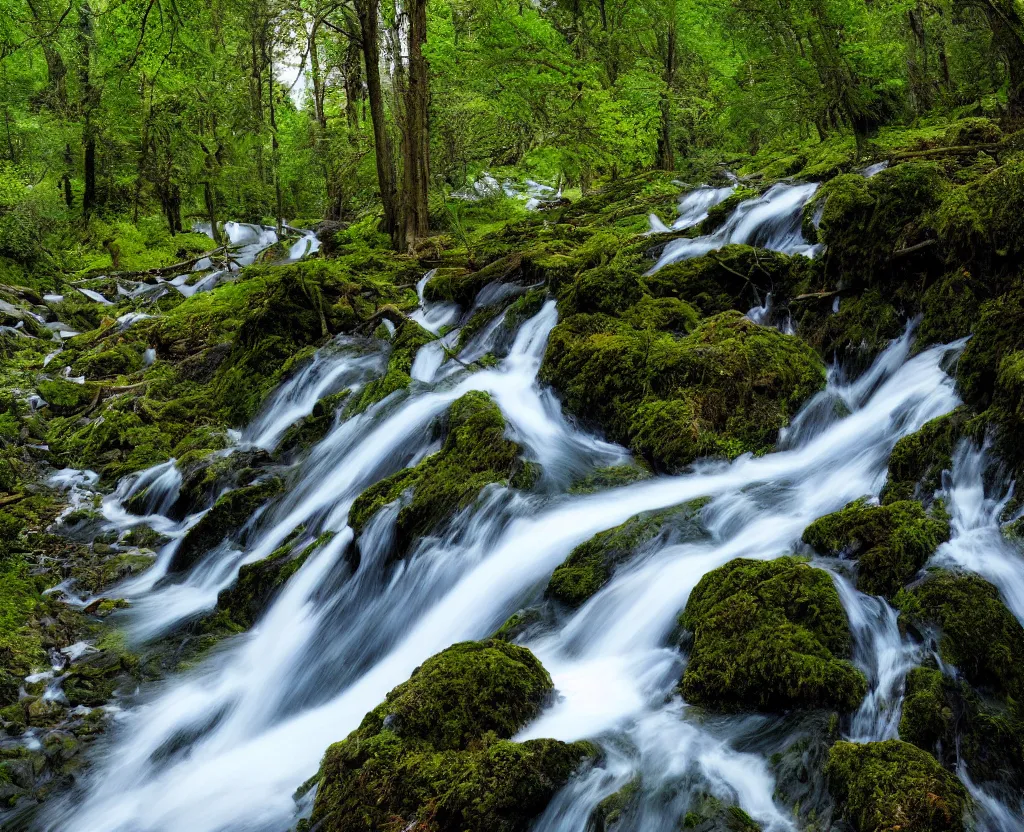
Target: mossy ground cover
(437, 752)
(890, 542)
(769, 636)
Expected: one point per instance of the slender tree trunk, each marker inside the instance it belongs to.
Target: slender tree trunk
(275, 151)
(416, 136)
(666, 151)
(367, 12)
(88, 95)
(317, 78)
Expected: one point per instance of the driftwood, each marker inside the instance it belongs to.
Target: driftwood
(817, 295)
(160, 271)
(911, 249)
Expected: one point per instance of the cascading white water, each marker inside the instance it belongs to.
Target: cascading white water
(226, 744)
(771, 221)
(693, 208)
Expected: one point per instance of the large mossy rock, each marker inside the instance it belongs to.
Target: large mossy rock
(475, 453)
(891, 542)
(918, 460)
(228, 514)
(769, 636)
(944, 716)
(735, 277)
(724, 389)
(436, 755)
(591, 564)
(979, 635)
(883, 786)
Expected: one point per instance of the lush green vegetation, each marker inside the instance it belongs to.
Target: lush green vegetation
(129, 130)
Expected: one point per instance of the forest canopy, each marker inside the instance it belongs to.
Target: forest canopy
(267, 110)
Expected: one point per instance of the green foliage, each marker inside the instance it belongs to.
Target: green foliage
(890, 542)
(918, 460)
(882, 785)
(436, 753)
(769, 636)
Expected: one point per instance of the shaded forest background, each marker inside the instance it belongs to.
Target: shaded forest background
(165, 112)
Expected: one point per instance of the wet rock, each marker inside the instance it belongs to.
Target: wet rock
(437, 752)
(590, 565)
(892, 784)
(769, 636)
(890, 542)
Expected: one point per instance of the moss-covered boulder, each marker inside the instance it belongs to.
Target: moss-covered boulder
(944, 716)
(736, 277)
(591, 564)
(726, 388)
(864, 222)
(889, 785)
(979, 635)
(259, 582)
(890, 542)
(436, 755)
(474, 453)
(769, 636)
(707, 813)
(228, 514)
(918, 460)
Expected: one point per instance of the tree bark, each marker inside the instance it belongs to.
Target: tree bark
(666, 151)
(367, 13)
(416, 135)
(88, 99)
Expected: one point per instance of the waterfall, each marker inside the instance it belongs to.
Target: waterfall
(772, 221)
(225, 744)
(693, 208)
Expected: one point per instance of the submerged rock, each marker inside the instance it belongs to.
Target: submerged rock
(436, 755)
(889, 785)
(890, 542)
(769, 636)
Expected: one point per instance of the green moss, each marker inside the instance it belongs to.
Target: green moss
(980, 636)
(66, 396)
(590, 565)
(308, 431)
(888, 785)
(120, 359)
(918, 460)
(475, 453)
(890, 542)
(945, 717)
(21, 647)
(707, 813)
(724, 389)
(259, 582)
(611, 811)
(768, 635)
(409, 337)
(865, 221)
(610, 477)
(735, 277)
(436, 754)
(718, 214)
(228, 514)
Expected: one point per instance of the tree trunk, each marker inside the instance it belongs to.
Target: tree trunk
(315, 75)
(367, 12)
(275, 150)
(88, 98)
(416, 136)
(666, 152)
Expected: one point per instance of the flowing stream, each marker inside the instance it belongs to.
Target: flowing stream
(225, 744)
